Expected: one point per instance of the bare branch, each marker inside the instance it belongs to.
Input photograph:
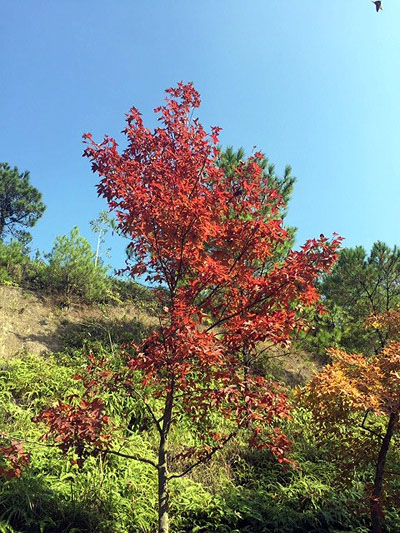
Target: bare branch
(369, 429)
(129, 456)
(150, 410)
(204, 459)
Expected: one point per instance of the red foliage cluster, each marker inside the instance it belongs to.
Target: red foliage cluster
(80, 427)
(12, 460)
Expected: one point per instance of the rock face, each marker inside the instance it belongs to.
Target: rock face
(35, 323)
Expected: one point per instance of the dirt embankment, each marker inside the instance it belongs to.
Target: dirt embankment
(35, 323)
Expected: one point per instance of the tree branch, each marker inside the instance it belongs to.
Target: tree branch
(204, 459)
(106, 452)
(150, 410)
(128, 456)
(246, 308)
(369, 429)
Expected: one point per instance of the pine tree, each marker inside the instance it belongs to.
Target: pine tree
(20, 203)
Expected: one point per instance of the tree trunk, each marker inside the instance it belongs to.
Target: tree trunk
(96, 259)
(2, 220)
(377, 517)
(246, 372)
(163, 495)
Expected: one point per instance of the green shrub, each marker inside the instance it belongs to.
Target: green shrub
(14, 263)
(130, 291)
(69, 271)
(18, 268)
(72, 272)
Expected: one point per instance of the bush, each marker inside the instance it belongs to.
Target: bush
(128, 290)
(13, 261)
(72, 270)
(16, 266)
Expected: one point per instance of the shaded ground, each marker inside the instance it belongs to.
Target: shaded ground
(35, 323)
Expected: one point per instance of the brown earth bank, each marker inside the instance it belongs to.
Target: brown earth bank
(37, 323)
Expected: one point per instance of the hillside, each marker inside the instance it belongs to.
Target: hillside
(36, 323)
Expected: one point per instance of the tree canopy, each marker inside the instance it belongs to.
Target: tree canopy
(230, 160)
(21, 204)
(361, 285)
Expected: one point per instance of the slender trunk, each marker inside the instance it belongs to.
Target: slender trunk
(96, 259)
(3, 214)
(163, 491)
(246, 371)
(377, 517)
(163, 495)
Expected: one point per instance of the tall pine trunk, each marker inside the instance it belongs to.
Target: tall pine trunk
(377, 517)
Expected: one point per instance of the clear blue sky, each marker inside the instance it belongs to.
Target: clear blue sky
(313, 83)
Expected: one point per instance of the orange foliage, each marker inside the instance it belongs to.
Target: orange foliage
(355, 384)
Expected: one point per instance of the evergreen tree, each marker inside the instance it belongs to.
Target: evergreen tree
(231, 161)
(20, 203)
(72, 270)
(359, 286)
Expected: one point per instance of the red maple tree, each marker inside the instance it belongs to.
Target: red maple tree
(210, 239)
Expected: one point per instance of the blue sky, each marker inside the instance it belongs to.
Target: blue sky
(314, 84)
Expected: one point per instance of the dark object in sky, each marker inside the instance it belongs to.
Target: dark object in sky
(378, 6)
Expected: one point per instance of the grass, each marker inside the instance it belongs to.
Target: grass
(238, 490)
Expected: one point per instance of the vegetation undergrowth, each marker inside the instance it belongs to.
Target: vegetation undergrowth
(238, 491)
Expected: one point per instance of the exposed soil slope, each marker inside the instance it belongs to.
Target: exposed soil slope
(35, 323)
